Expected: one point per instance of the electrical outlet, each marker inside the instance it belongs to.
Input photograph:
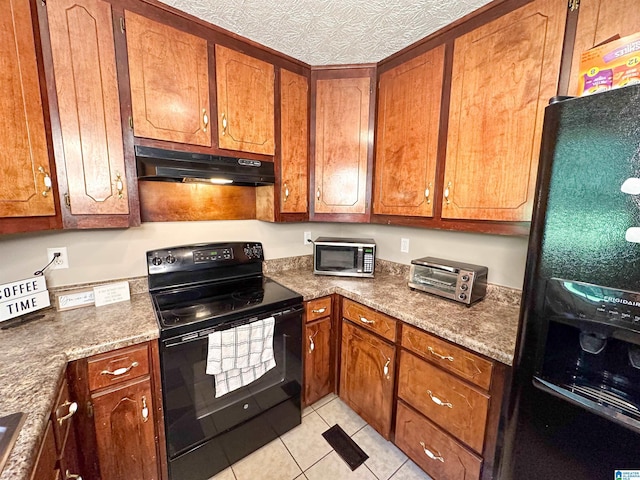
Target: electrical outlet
(62, 261)
(404, 245)
(307, 237)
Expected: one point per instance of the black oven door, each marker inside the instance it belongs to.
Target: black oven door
(205, 434)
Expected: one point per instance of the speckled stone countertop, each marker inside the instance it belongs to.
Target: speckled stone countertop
(33, 357)
(488, 327)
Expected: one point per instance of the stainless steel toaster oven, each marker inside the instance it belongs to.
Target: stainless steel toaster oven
(463, 282)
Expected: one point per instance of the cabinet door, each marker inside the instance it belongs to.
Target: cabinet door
(25, 188)
(504, 73)
(125, 432)
(341, 145)
(366, 376)
(169, 78)
(407, 136)
(84, 64)
(318, 367)
(599, 20)
(245, 87)
(294, 141)
(45, 464)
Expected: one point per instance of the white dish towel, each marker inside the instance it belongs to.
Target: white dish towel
(238, 356)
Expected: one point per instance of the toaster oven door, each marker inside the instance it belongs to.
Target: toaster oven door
(434, 280)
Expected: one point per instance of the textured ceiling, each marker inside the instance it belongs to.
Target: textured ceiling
(330, 32)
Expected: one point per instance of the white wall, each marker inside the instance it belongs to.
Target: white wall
(97, 255)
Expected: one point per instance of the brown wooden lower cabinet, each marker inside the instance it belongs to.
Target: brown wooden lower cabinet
(367, 370)
(436, 452)
(119, 419)
(318, 364)
(45, 467)
(125, 432)
(444, 410)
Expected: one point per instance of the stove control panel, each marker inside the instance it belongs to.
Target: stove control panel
(213, 255)
(221, 258)
(253, 251)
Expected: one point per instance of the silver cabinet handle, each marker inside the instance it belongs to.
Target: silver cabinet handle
(73, 408)
(46, 180)
(312, 345)
(447, 191)
(286, 192)
(427, 193)
(145, 410)
(385, 369)
(430, 454)
(441, 357)
(224, 124)
(318, 193)
(71, 476)
(119, 371)
(437, 401)
(367, 321)
(205, 119)
(119, 186)
(319, 310)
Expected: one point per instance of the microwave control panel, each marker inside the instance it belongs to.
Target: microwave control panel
(367, 264)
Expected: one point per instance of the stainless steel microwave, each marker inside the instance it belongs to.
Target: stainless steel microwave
(462, 282)
(348, 257)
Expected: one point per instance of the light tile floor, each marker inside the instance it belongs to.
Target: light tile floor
(304, 454)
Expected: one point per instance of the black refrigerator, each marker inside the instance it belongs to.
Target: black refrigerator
(574, 407)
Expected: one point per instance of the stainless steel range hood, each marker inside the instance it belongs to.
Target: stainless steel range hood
(175, 166)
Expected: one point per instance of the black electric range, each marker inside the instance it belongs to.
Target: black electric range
(200, 289)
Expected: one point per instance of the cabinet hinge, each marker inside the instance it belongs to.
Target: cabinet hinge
(43, 2)
(122, 29)
(131, 122)
(574, 5)
(67, 200)
(89, 409)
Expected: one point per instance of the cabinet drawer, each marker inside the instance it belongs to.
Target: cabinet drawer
(449, 357)
(318, 308)
(433, 450)
(117, 366)
(370, 319)
(447, 401)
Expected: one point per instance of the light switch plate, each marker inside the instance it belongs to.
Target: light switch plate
(404, 245)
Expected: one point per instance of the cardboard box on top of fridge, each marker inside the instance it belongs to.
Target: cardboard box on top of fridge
(613, 64)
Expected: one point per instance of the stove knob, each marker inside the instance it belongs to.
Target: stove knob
(462, 296)
(465, 278)
(156, 261)
(170, 259)
(464, 286)
(247, 251)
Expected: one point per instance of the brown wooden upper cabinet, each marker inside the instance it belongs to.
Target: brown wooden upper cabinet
(599, 20)
(25, 168)
(407, 136)
(342, 150)
(504, 73)
(245, 98)
(89, 154)
(294, 142)
(169, 78)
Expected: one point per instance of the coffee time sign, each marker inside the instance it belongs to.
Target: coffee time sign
(22, 297)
